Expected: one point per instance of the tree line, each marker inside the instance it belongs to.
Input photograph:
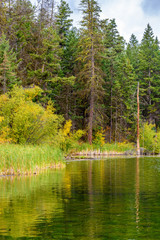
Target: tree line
(90, 74)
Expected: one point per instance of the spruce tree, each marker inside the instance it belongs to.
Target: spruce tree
(3, 16)
(68, 45)
(149, 75)
(113, 47)
(133, 51)
(63, 20)
(19, 31)
(7, 65)
(45, 63)
(90, 50)
(64, 89)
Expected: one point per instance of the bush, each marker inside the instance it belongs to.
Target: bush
(99, 139)
(24, 121)
(150, 138)
(66, 139)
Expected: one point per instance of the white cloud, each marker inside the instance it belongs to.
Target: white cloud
(129, 16)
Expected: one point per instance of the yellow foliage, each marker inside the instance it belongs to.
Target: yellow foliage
(3, 99)
(100, 137)
(78, 134)
(27, 121)
(1, 119)
(67, 127)
(65, 139)
(32, 92)
(50, 108)
(4, 135)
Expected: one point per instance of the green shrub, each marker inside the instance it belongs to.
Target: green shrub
(24, 121)
(149, 138)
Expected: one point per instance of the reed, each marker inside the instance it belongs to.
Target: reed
(28, 159)
(118, 147)
(113, 148)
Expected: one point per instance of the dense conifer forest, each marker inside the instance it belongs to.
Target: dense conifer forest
(89, 75)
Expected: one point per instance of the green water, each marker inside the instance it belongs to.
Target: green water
(115, 198)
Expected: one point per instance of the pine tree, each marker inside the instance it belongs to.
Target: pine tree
(19, 31)
(133, 51)
(90, 46)
(64, 89)
(113, 47)
(3, 16)
(149, 75)
(45, 63)
(63, 21)
(123, 99)
(7, 65)
(68, 44)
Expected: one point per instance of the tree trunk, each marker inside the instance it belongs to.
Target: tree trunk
(90, 125)
(52, 13)
(4, 84)
(149, 94)
(116, 129)
(138, 147)
(67, 103)
(111, 122)
(91, 109)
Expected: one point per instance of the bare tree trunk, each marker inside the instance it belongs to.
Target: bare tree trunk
(67, 103)
(91, 109)
(138, 147)
(111, 121)
(52, 13)
(90, 125)
(116, 124)
(149, 94)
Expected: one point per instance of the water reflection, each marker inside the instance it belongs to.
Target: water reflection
(137, 192)
(113, 198)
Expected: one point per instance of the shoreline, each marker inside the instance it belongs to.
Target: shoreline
(29, 159)
(93, 154)
(36, 171)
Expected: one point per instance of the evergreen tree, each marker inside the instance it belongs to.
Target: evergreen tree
(45, 63)
(149, 75)
(64, 89)
(113, 46)
(133, 51)
(90, 46)
(19, 31)
(63, 21)
(3, 16)
(68, 43)
(7, 65)
(123, 99)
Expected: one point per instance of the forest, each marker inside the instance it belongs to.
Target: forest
(52, 72)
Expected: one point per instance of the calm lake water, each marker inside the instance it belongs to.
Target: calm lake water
(114, 198)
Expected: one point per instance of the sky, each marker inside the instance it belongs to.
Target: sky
(132, 16)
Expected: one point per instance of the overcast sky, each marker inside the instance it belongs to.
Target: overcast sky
(132, 16)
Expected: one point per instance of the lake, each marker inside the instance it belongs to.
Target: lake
(114, 198)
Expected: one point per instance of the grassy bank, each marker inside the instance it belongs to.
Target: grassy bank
(106, 149)
(28, 159)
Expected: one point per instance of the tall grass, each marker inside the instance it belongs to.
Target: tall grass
(107, 148)
(25, 159)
